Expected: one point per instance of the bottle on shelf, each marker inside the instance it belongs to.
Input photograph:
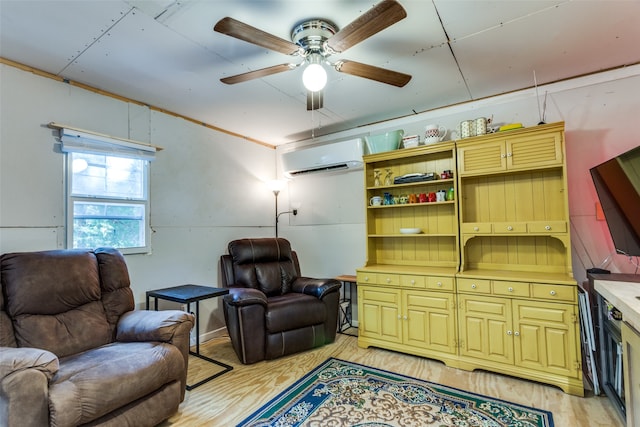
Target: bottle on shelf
(450, 194)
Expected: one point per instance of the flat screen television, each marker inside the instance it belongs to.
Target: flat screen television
(617, 183)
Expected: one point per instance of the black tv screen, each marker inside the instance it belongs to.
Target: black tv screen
(617, 183)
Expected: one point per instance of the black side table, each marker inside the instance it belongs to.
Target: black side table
(186, 294)
(345, 321)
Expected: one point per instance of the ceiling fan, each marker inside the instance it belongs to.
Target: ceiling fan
(314, 41)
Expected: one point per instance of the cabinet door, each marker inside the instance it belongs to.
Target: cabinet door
(429, 320)
(545, 337)
(488, 157)
(379, 313)
(486, 328)
(527, 152)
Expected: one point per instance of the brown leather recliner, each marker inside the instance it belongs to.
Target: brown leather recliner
(73, 351)
(272, 311)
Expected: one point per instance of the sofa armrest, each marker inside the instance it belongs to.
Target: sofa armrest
(169, 326)
(13, 359)
(146, 325)
(244, 314)
(245, 296)
(315, 287)
(24, 385)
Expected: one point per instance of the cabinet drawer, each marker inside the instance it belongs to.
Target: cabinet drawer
(388, 279)
(440, 283)
(516, 289)
(509, 227)
(409, 281)
(365, 277)
(476, 227)
(370, 295)
(480, 286)
(554, 292)
(547, 227)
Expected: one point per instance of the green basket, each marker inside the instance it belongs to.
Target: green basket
(384, 141)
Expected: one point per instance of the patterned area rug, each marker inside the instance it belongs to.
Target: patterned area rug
(341, 393)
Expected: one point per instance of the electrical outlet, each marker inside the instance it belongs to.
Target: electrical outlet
(599, 212)
(192, 334)
(192, 337)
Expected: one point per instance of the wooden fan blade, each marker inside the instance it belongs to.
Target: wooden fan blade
(240, 30)
(315, 100)
(376, 19)
(374, 73)
(256, 74)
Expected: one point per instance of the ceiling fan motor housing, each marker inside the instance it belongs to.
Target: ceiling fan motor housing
(312, 34)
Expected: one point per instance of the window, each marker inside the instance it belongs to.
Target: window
(107, 195)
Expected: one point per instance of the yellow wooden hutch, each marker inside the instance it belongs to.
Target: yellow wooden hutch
(487, 281)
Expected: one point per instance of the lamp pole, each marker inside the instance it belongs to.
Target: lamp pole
(275, 186)
(276, 192)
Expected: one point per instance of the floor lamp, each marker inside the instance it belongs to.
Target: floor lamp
(276, 185)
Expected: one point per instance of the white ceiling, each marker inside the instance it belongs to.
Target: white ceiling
(165, 54)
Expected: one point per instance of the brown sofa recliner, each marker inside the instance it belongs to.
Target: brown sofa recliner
(272, 311)
(73, 351)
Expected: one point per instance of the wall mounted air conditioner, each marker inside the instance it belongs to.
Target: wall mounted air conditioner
(337, 156)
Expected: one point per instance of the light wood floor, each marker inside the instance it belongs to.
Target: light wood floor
(228, 399)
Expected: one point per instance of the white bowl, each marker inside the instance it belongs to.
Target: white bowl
(410, 231)
(410, 141)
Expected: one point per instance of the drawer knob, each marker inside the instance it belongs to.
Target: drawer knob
(552, 293)
(399, 317)
(510, 228)
(509, 332)
(502, 155)
(439, 284)
(547, 227)
(388, 280)
(516, 333)
(366, 279)
(476, 228)
(405, 317)
(473, 286)
(413, 282)
(509, 154)
(510, 289)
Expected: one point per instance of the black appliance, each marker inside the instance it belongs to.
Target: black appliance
(617, 183)
(609, 346)
(610, 319)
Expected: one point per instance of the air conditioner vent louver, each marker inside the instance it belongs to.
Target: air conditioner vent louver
(334, 157)
(320, 169)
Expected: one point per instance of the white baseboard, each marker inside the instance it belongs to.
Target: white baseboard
(209, 335)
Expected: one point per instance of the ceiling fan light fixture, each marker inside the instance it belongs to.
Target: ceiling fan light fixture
(315, 40)
(314, 77)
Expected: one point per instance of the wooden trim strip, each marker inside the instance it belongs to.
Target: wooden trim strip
(55, 77)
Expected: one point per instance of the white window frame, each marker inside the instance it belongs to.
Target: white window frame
(74, 141)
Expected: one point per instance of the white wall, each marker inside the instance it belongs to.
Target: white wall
(207, 188)
(600, 114)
